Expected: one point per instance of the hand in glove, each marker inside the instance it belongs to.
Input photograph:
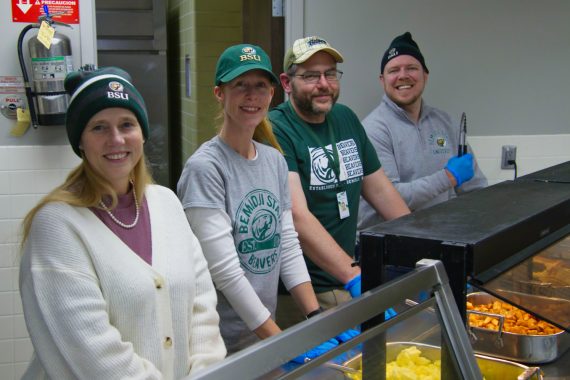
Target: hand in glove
(347, 335)
(317, 351)
(461, 168)
(390, 313)
(354, 286)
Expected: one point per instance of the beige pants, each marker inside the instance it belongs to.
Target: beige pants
(289, 314)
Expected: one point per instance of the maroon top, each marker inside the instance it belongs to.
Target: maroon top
(138, 238)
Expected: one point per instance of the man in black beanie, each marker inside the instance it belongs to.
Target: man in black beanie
(417, 144)
(403, 45)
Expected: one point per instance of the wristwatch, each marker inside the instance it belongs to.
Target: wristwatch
(315, 312)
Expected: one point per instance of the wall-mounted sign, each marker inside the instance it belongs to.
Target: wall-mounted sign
(66, 11)
(12, 95)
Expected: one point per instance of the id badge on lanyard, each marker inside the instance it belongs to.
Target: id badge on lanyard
(342, 203)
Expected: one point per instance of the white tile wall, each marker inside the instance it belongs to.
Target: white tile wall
(6, 328)
(7, 371)
(26, 174)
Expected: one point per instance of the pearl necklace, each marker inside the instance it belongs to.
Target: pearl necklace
(114, 218)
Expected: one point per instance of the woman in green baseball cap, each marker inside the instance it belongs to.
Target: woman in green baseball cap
(114, 283)
(235, 192)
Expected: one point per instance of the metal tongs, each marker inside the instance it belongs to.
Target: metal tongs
(342, 368)
(462, 147)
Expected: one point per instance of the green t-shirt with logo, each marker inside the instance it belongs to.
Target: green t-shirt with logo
(353, 158)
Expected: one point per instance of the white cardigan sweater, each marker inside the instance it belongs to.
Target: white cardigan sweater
(95, 310)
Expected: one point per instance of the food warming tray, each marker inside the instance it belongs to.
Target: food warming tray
(478, 237)
(491, 368)
(531, 349)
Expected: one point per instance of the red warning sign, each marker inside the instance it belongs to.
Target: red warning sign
(66, 11)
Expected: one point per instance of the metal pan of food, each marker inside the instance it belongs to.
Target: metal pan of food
(552, 307)
(499, 329)
(491, 368)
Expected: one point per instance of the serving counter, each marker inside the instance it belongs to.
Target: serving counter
(510, 240)
(497, 240)
(432, 323)
(477, 236)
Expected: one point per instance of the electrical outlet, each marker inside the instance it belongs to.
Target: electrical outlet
(509, 153)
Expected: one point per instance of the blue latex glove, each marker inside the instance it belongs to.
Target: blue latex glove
(390, 313)
(347, 335)
(354, 286)
(317, 351)
(461, 168)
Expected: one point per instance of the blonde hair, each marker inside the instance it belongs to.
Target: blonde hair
(264, 134)
(84, 187)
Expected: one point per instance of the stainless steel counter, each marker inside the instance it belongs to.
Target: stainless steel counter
(269, 359)
(425, 329)
(558, 370)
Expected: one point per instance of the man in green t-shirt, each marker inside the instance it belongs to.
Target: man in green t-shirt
(331, 163)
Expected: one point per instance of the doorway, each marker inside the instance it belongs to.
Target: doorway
(264, 27)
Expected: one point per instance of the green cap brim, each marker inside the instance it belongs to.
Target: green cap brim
(228, 77)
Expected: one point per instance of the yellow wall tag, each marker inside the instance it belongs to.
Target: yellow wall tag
(23, 114)
(20, 129)
(45, 35)
(24, 121)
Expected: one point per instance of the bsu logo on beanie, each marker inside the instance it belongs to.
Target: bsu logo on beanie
(392, 53)
(117, 91)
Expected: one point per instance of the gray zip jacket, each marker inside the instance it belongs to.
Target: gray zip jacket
(414, 156)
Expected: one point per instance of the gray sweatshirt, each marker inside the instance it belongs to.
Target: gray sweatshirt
(254, 194)
(414, 156)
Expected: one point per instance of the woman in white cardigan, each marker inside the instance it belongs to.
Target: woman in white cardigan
(113, 281)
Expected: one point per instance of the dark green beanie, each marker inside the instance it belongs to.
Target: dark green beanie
(93, 91)
(239, 59)
(402, 45)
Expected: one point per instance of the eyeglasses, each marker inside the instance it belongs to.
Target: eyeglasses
(312, 77)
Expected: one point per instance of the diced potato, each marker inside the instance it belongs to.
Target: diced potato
(515, 321)
(410, 365)
(416, 367)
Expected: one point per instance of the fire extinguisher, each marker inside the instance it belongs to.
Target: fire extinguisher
(49, 68)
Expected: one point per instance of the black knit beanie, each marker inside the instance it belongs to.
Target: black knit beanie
(402, 45)
(93, 91)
